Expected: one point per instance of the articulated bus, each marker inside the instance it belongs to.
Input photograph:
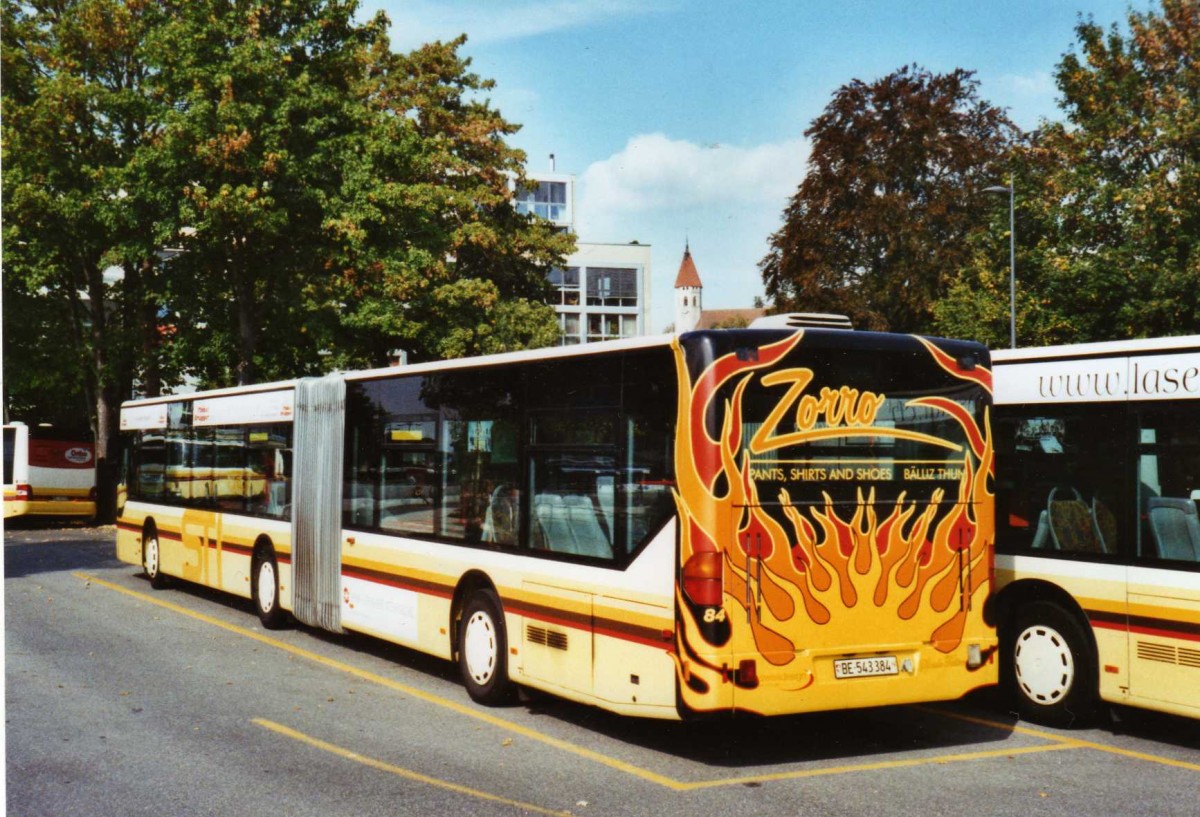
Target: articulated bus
(1098, 552)
(769, 520)
(48, 472)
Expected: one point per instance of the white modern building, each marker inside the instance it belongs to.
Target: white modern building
(604, 290)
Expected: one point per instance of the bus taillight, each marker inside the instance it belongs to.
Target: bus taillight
(703, 579)
(24, 493)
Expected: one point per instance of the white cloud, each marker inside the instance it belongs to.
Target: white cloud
(654, 172)
(723, 200)
(1039, 83)
(1028, 97)
(484, 21)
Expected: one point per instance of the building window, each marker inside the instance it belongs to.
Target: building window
(569, 323)
(612, 286)
(545, 199)
(566, 281)
(608, 327)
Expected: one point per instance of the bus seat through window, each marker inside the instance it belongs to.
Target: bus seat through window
(1041, 538)
(1175, 527)
(569, 524)
(589, 538)
(1105, 525)
(500, 521)
(550, 522)
(1071, 525)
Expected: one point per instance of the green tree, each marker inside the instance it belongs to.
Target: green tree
(1108, 219)
(321, 199)
(878, 225)
(338, 200)
(434, 258)
(264, 108)
(977, 303)
(75, 112)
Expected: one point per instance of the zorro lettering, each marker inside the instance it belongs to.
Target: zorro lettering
(839, 408)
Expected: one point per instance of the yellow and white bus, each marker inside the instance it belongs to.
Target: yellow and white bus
(1098, 552)
(48, 472)
(771, 520)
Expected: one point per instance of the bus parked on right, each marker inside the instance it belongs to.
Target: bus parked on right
(1098, 535)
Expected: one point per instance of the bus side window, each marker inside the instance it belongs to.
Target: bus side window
(1169, 486)
(265, 475)
(1059, 478)
(571, 490)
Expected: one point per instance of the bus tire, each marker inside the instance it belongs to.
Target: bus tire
(1050, 666)
(264, 590)
(152, 559)
(483, 651)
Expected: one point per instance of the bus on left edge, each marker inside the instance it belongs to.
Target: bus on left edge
(48, 471)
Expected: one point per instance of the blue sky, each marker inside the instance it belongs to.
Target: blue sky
(684, 119)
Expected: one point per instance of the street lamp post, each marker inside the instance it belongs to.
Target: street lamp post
(1012, 254)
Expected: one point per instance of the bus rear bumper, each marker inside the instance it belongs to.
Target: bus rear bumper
(907, 674)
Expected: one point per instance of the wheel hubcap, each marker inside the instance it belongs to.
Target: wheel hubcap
(152, 556)
(479, 647)
(266, 586)
(1044, 665)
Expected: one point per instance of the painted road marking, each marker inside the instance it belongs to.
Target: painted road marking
(400, 771)
(1055, 742)
(375, 678)
(877, 766)
(1073, 742)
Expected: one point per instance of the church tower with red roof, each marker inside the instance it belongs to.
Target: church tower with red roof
(688, 290)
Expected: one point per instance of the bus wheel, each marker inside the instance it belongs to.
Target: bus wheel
(265, 590)
(1050, 666)
(483, 651)
(152, 560)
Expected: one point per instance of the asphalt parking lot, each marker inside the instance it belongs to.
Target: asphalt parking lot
(123, 700)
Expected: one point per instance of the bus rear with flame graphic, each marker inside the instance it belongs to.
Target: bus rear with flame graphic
(835, 520)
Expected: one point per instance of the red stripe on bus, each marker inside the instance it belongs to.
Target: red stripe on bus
(1165, 633)
(1163, 628)
(429, 588)
(611, 628)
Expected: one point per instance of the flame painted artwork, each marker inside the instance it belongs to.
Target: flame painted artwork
(835, 519)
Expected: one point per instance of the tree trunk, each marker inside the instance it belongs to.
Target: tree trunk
(247, 372)
(107, 400)
(108, 457)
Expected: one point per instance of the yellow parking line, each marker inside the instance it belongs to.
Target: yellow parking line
(878, 766)
(1070, 741)
(579, 751)
(460, 709)
(402, 772)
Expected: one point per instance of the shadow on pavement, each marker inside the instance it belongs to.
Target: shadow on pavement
(33, 547)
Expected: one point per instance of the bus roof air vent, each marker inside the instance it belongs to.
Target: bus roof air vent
(803, 320)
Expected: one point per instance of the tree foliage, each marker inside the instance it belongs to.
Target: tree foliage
(263, 106)
(338, 200)
(1108, 221)
(246, 191)
(879, 223)
(433, 256)
(76, 108)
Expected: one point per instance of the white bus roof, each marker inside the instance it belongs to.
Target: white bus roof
(1116, 371)
(1113, 348)
(548, 353)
